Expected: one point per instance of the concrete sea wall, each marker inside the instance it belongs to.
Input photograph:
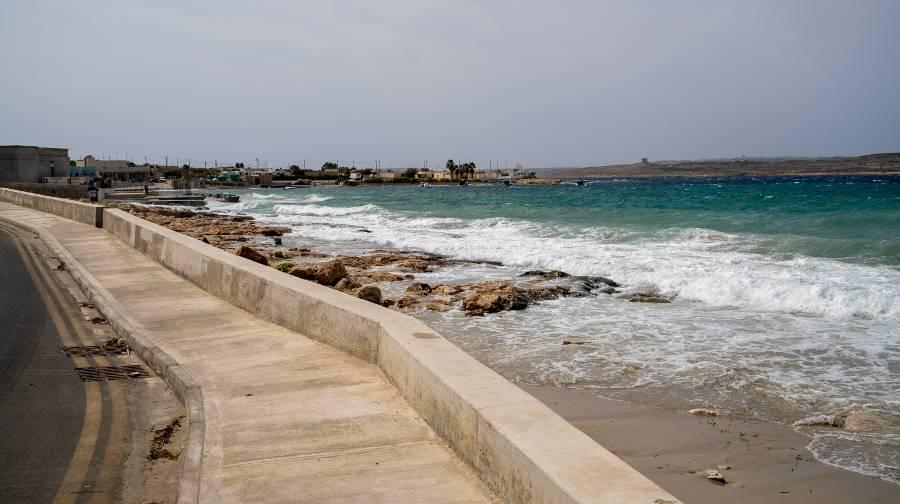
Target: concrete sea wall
(524, 451)
(520, 448)
(74, 210)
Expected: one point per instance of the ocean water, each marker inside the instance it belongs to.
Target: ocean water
(786, 290)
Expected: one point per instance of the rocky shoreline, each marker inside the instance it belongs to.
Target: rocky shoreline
(361, 275)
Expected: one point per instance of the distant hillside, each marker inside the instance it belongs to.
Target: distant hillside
(887, 163)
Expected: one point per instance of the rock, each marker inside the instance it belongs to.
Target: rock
(547, 275)
(369, 293)
(546, 293)
(416, 263)
(279, 254)
(203, 239)
(715, 476)
(327, 273)
(438, 305)
(419, 288)
(645, 297)
(271, 232)
(367, 277)
(304, 271)
(406, 302)
(277, 240)
(573, 342)
(347, 284)
(250, 253)
(494, 296)
(330, 273)
(494, 300)
(446, 290)
(723, 467)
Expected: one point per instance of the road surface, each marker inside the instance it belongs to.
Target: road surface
(64, 440)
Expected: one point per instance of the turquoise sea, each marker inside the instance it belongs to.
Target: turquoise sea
(786, 290)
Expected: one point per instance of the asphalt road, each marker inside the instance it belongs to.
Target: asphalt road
(58, 439)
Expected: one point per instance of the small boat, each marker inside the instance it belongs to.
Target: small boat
(425, 184)
(580, 182)
(507, 183)
(463, 182)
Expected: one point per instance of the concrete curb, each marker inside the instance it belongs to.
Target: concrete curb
(188, 391)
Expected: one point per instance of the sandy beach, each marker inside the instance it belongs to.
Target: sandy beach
(767, 462)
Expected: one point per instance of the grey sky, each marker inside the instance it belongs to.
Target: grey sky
(545, 83)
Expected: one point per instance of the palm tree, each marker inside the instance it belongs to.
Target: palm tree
(452, 168)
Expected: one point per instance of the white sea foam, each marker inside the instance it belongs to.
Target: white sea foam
(778, 336)
(322, 211)
(691, 264)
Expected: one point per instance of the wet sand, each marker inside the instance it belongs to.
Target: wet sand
(768, 462)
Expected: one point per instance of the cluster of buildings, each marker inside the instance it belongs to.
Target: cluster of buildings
(33, 164)
(426, 175)
(51, 165)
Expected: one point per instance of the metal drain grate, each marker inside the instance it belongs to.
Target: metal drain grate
(93, 351)
(109, 373)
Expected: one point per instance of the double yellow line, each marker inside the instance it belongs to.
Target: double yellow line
(59, 306)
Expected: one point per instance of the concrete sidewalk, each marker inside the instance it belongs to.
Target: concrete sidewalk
(287, 419)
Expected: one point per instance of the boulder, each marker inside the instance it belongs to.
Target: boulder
(271, 232)
(304, 271)
(495, 300)
(327, 273)
(446, 290)
(368, 277)
(547, 275)
(252, 254)
(646, 297)
(438, 305)
(369, 293)
(347, 284)
(330, 273)
(406, 302)
(419, 288)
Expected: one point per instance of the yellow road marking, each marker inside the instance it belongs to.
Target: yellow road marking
(90, 427)
(112, 455)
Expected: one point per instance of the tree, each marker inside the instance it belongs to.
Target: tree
(295, 170)
(451, 167)
(329, 165)
(239, 165)
(409, 173)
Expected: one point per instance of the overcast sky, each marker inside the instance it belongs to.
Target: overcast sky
(544, 83)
